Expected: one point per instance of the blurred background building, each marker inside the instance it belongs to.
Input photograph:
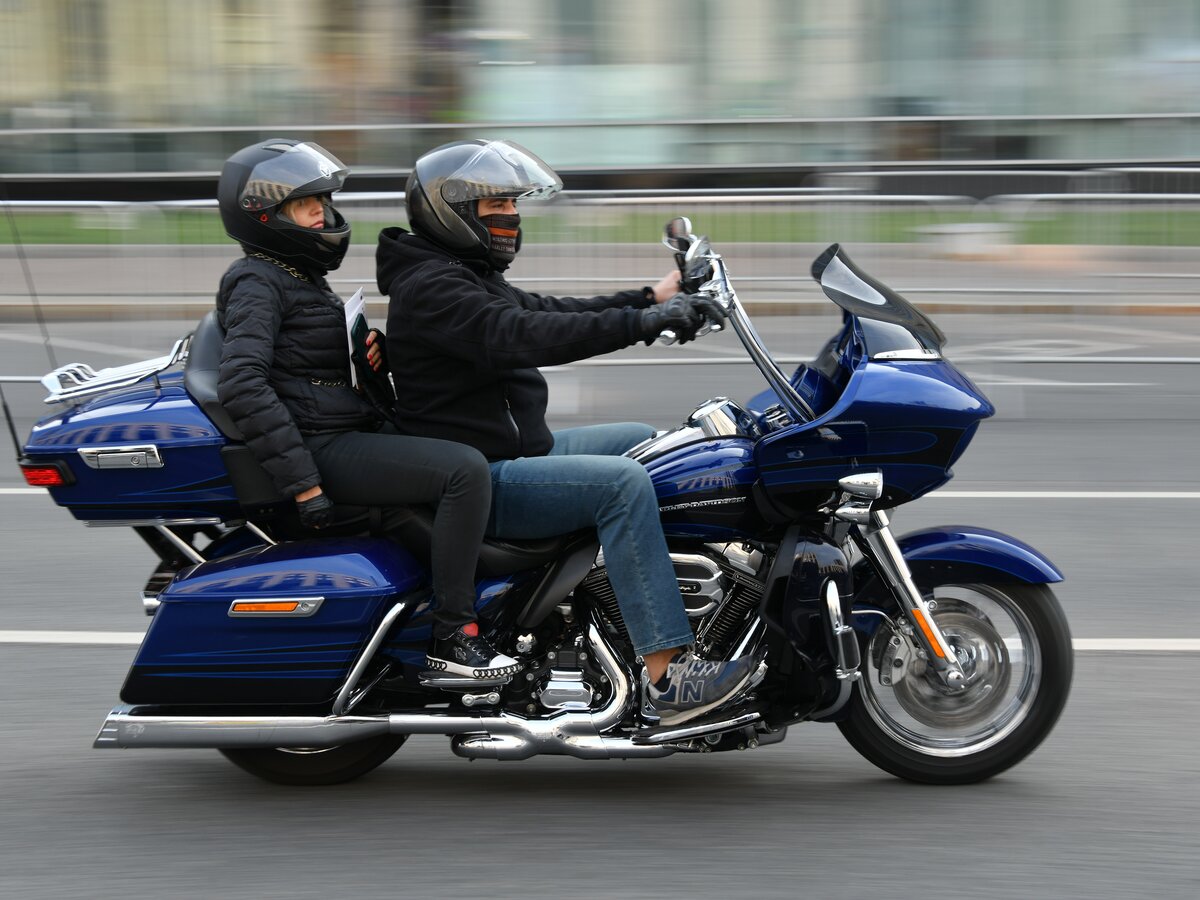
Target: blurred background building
(128, 86)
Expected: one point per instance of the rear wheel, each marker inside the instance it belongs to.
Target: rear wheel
(316, 766)
(1014, 646)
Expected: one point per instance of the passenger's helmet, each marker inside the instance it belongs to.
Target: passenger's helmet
(447, 181)
(257, 180)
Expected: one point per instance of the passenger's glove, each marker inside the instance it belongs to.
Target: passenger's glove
(681, 314)
(316, 512)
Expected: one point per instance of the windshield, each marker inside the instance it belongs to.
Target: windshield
(861, 295)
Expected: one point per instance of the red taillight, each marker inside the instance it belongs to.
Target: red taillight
(47, 476)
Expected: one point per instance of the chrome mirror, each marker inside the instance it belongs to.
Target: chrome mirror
(678, 234)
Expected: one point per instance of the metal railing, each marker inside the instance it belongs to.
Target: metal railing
(169, 255)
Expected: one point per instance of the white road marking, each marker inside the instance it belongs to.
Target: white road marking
(1152, 645)
(104, 638)
(128, 638)
(1063, 495)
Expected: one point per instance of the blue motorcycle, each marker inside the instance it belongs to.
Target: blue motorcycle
(942, 655)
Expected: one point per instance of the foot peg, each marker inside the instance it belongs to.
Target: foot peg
(431, 678)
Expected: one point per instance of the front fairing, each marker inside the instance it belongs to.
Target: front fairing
(885, 399)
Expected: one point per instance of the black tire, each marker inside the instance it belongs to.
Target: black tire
(916, 730)
(328, 765)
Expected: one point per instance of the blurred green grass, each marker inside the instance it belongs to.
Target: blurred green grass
(1172, 227)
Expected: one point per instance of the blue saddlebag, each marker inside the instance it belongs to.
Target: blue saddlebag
(274, 625)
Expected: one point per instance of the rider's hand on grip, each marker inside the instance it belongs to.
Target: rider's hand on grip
(682, 316)
(714, 316)
(315, 512)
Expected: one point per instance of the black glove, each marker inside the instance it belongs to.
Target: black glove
(316, 512)
(681, 314)
(710, 309)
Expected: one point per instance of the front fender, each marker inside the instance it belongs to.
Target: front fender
(965, 553)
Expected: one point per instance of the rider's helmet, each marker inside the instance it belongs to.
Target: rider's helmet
(446, 182)
(257, 180)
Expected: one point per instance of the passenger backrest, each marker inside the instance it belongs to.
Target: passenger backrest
(254, 487)
(201, 371)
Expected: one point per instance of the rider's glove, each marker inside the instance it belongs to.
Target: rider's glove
(681, 314)
(316, 512)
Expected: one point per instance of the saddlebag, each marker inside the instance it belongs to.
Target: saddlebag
(273, 625)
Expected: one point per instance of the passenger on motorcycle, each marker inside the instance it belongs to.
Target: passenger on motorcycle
(284, 379)
(464, 350)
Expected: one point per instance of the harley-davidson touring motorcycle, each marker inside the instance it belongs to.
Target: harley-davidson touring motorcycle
(942, 654)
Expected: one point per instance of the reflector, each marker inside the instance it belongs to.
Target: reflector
(271, 606)
(43, 476)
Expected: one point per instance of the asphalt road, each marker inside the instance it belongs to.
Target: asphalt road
(1106, 808)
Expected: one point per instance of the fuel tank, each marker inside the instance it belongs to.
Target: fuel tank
(703, 473)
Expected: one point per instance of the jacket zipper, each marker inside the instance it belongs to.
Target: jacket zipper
(511, 421)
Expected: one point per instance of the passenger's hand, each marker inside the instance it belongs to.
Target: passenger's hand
(682, 315)
(316, 511)
(376, 350)
(667, 288)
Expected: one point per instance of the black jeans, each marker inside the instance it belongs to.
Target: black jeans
(387, 469)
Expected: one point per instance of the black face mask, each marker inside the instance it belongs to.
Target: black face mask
(504, 239)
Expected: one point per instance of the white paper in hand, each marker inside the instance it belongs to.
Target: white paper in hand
(354, 310)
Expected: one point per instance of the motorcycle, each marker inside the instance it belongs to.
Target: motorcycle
(942, 655)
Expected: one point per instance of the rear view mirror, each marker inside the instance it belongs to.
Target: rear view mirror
(678, 234)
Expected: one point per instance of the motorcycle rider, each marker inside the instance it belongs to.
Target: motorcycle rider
(284, 375)
(463, 353)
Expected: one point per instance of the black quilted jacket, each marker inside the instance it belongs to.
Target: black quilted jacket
(285, 368)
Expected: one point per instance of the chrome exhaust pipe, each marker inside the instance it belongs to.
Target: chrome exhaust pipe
(125, 728)
(502, 736)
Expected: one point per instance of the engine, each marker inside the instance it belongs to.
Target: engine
(721, 585)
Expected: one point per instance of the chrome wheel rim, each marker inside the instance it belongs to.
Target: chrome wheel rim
(997, 648)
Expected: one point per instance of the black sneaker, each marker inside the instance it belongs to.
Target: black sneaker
(468, 654)
(692, 686)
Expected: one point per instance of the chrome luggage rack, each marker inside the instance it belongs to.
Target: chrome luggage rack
(75, 381)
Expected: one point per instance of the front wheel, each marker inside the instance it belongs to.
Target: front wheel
(317, 766)
(1014, 647)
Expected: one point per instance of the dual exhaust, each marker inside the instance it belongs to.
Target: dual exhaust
(500, 736)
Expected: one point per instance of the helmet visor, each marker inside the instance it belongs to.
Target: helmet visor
(501, 169)
(299, 171)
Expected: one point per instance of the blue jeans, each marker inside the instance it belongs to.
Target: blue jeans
(586, 483)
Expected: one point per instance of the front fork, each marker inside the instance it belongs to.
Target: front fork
(873, 534)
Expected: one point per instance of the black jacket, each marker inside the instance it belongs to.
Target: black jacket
(285, 368)
(464, 344)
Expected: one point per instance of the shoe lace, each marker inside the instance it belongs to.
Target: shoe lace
(477, 644)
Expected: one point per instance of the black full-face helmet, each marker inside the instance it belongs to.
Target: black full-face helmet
(446, 182)
(257, 180)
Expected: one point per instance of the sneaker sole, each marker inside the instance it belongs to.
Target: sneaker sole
(452, 668)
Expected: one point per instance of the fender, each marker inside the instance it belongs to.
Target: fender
(970, 554)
